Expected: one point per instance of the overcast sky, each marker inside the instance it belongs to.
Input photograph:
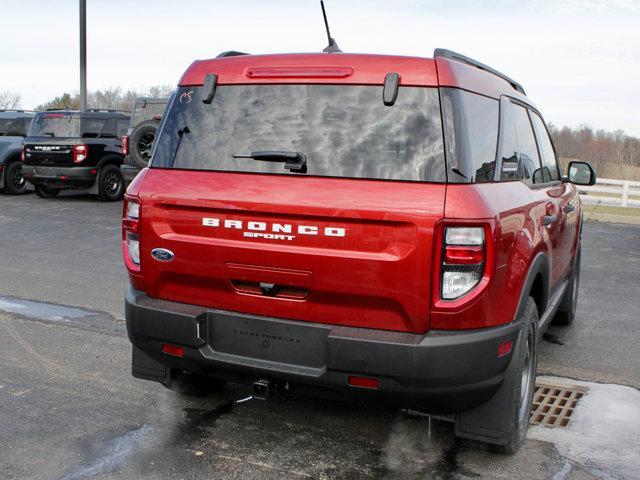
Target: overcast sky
(579, 60)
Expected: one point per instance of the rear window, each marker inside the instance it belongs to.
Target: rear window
(72, 125)
(55, 125)
(14, 127)
(344, 131)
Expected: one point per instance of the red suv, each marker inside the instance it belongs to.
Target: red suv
(389, 228)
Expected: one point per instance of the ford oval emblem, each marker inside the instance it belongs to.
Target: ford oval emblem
(162, 254)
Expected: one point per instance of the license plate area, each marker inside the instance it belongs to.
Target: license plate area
(267, 339)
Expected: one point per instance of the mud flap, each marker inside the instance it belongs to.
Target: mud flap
(145, 367)
(491, 421)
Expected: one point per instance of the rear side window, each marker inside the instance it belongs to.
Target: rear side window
(14, 127)
(549, 164)
(344, 131)
(122, 126)
(528, 166)
(509, 150)
(471, 135)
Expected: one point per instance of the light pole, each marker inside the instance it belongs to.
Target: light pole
(83, 55)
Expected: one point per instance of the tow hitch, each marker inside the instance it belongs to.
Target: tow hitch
(264, 388)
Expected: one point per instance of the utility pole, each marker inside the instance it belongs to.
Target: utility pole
(83, 55)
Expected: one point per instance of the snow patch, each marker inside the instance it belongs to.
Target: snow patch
(603, 435)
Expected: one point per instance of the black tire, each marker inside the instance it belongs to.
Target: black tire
(14, 182)
(110, 184)
(569, 304)
(193, 385)
(46, 192)
(140, 143)
(523, 381)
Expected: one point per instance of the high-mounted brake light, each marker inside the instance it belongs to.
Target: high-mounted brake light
(299, 72)
(54, 115)
(125, 145)
(80, 153)
(463, 260)
(131, 233)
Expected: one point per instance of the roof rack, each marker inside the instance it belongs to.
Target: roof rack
(451, 55)
(231, 53)
(105, 110)
(19, 110)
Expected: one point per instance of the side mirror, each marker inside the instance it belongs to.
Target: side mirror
(581, 173)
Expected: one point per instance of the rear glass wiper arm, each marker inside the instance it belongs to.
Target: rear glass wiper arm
(181, 133)
(294, 161)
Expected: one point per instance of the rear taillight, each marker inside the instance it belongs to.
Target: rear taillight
(125, 145)
(80, 153)
(22, 154)
(463, 260)
(131, 233)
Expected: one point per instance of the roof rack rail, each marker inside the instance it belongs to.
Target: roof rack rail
(231, 53)
(106, 110)
(17, 110)
(451, 55)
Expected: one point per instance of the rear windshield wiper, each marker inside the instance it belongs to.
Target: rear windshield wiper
(294, 161)
(181, 133)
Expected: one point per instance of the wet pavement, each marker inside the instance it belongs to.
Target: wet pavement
(70, 408)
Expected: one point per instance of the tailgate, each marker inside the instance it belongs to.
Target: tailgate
(335, 251)
(49, 151)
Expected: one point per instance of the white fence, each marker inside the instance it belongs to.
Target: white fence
(618, 193)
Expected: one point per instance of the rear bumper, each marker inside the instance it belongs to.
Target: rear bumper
(441, 372)
(61, 177)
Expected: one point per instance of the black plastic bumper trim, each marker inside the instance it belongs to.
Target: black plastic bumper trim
(456, 370)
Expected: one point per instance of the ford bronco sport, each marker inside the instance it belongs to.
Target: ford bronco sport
(389, 228)
(13, 128)
(68, 149)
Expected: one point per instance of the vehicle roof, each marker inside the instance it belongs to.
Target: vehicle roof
(16, 114)
(89, 114)
(348, 68)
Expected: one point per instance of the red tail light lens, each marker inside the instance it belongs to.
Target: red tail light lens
(80, 153)
(463, 261)
(131, 233)
(125, 145)
(22, 154)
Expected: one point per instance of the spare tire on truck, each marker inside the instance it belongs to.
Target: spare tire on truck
(141, 141)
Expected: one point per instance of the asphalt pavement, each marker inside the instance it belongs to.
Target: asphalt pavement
(70, 408)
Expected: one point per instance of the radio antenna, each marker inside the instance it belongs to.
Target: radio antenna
(333, 46)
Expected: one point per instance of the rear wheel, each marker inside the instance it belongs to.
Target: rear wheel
(567, 310)
(193, 385)
(14, 182)
(523, 383)
(110, 183)
(46, 192)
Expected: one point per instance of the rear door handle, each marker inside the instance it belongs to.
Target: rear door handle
(549, 219)
(569, 208)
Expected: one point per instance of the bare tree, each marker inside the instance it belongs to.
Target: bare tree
(9, 100)
(111, 98)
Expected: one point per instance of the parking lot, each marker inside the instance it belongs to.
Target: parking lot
(72, 410)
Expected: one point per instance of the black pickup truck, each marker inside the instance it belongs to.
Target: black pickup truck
(69, 149)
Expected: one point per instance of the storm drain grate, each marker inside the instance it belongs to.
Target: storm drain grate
(553, 404)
